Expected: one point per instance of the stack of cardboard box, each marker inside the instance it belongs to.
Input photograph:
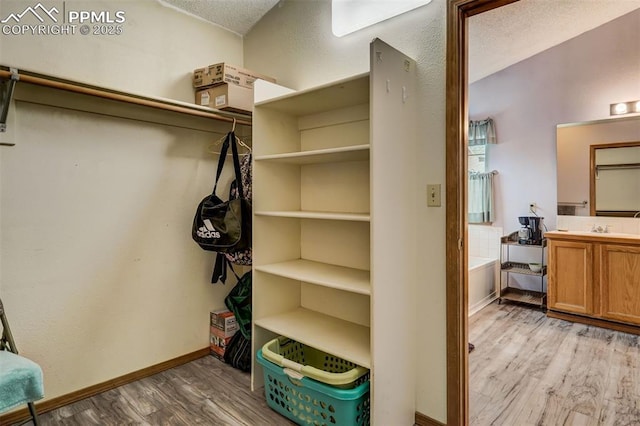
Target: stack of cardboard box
(226, 87)
(223, 327)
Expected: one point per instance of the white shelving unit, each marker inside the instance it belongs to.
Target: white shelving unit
(334, 200)
(300, 214)
(348, 279)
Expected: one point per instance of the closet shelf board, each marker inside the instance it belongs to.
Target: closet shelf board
(112, 95)
(323, 274)
(354, 217)
(341, 338)
(330, 155)
(342, 94)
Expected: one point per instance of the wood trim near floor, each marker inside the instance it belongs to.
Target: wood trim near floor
(612, 325)
(456, 189)
(61, 401)
(422, 420)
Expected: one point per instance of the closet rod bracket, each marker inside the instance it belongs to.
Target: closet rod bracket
(7, 96)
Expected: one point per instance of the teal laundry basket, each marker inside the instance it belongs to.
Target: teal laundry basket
(314, 363)
(309, 402)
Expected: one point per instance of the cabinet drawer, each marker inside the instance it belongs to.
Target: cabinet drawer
(571, 277)
(620, 283)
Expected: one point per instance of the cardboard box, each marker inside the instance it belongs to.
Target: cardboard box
(218, 345)
(226, 73)
(226, 97)
(223, 323)
(217, 353)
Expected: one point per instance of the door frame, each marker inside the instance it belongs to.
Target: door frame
(456, 203)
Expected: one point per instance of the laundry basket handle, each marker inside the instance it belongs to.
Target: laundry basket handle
(293, 374)
(287, 363)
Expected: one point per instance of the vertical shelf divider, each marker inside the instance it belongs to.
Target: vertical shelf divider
(334, 165)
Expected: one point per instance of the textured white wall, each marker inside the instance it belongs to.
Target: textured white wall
(100, 276)
(294, 44)
(155, 55)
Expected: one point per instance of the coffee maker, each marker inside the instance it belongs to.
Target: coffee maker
(531, 231)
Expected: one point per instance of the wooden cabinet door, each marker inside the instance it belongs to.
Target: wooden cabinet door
(570, 280)
(620, 283)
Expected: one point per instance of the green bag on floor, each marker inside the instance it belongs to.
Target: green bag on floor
(238, 353)
(238, 301)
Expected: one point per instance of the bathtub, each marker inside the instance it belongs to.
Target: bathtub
(483, 279)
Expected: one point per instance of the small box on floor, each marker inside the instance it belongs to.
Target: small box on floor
(224, 320)
(226, 73)
(226, 97)
(218, 343)
(223, 326)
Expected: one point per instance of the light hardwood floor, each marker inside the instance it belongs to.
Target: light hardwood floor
(202, 392)
(528, 369)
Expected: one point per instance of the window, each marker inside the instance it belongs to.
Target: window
(480, 185)
(477, 158)
(348, 16)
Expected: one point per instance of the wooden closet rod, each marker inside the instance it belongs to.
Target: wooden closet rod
(71, 86)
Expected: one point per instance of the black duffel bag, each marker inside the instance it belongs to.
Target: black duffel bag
(224, 226)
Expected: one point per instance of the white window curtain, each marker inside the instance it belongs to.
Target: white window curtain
(480, 202)
(480, 185)
(482, 132)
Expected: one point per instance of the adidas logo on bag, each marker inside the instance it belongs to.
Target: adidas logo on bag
(207, 231)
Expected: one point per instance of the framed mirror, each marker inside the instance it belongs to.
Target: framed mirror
(573, 151)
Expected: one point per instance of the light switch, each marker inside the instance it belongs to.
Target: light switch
(433, 195)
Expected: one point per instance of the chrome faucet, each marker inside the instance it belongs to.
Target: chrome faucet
(601, 229)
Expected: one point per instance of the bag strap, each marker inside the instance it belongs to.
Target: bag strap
(236, 164)
(220, 269)
(221, 161)
(229, 140)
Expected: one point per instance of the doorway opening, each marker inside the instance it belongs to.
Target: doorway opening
(458, 11)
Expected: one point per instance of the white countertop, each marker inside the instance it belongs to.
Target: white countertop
(602, 235)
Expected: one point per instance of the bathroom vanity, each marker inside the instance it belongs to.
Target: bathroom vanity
(594, 278)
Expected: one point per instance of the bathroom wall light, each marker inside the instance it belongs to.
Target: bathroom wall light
(348, 16)
(620, 108)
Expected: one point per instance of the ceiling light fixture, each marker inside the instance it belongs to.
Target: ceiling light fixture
(620, 108)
